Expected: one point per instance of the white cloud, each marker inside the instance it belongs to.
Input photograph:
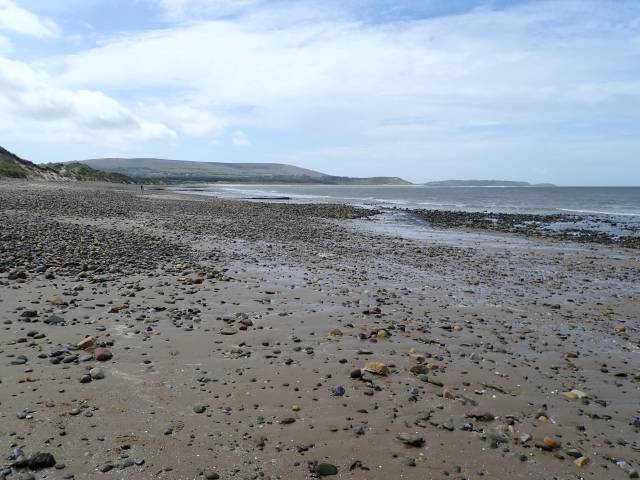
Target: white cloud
(523, 65)
(16, 19)
(240, 139)
(32, 108)
(189, 121)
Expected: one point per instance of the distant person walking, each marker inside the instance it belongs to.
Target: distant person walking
(141, 188)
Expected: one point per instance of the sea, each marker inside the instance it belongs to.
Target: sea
(614, 209)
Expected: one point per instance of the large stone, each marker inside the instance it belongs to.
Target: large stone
(87, 343)
(39, 460)
(326, 469)
(378, 368)
(103, 354)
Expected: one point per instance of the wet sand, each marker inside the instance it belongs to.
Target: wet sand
(239, 334)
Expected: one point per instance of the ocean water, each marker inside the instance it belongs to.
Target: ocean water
(617, 205)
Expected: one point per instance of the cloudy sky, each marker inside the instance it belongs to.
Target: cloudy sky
(427, 90)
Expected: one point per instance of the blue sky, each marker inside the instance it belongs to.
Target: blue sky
(545, 91)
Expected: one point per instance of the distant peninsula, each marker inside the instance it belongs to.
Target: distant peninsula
(158, 170)
(485, 183)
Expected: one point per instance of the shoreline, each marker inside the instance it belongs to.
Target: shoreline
(565, 227)
(240, 333)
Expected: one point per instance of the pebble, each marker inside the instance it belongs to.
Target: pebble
(412, 439)
(326, 469)
(377, 368)
(102, 354)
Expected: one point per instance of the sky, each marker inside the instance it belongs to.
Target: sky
(542, 91)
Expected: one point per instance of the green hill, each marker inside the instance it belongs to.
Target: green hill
(156, 170)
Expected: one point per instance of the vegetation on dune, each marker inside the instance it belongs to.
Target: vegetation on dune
(84, 173)
(10, 169)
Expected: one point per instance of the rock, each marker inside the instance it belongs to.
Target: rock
(628, 469)
(228, 331)
(326, 469)
(372, 311)
(357, 373)
(496, 435)
(54, 320)
(117, 308)
(103, 354)
(419, 370)
(581, 461)
(56, 301)
(412, 439)
(382, 334)
(338, 391)
(287, 421)
(409, 462)
(417, 356)
(574, 395)
(551, 442)
(573, 452)
(377, 368)
(20, 462)
(87, 343)
(97, 373)
(199, 408)
(17, 276)
(481, 416)
(29, 314)
(335, 335)
(39, 461)
(211, 476)
(448, 394)
(548, 444)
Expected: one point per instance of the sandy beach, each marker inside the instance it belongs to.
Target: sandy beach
(157, 335)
